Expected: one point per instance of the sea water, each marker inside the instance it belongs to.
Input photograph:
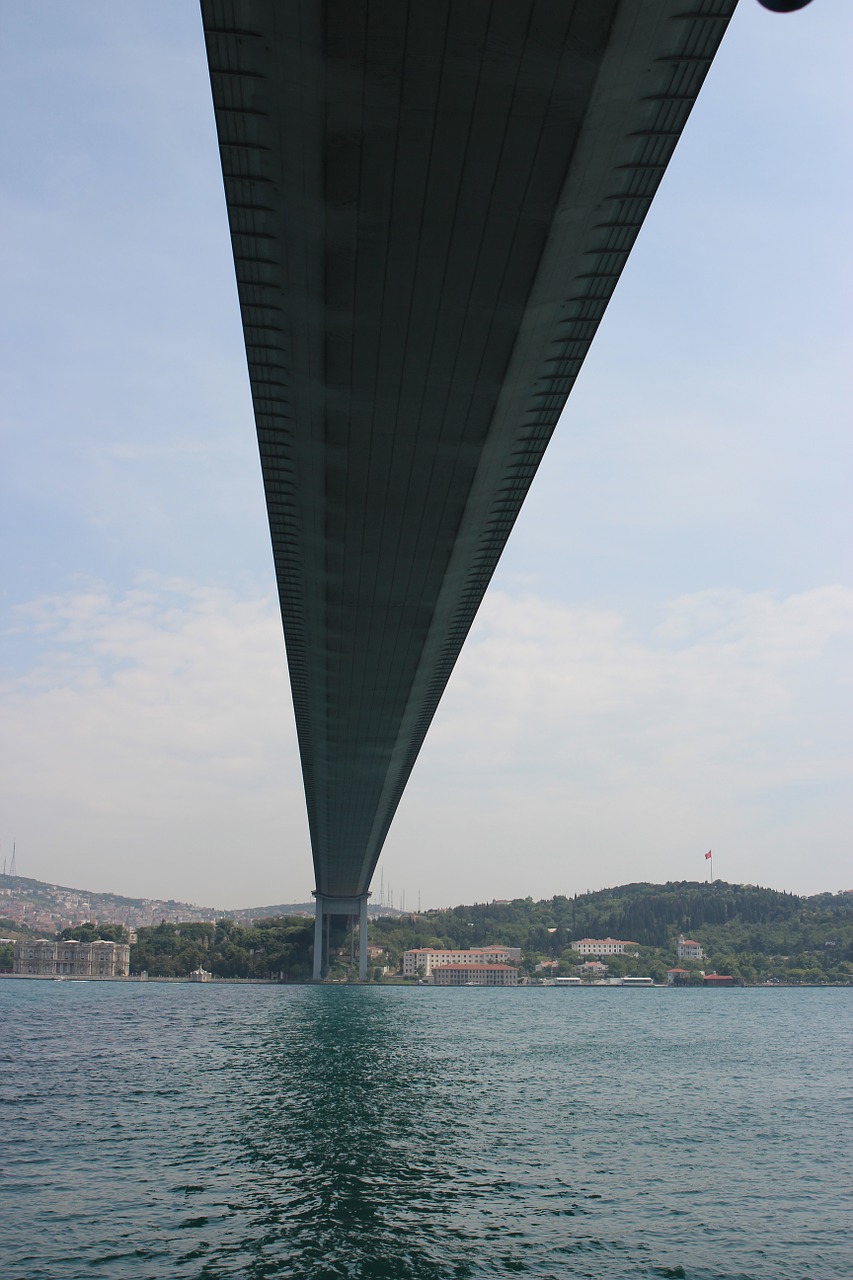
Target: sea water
(156, 1130)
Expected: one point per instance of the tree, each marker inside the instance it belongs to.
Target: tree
(90, 932)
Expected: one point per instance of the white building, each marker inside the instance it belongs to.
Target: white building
(688, 949)
(601, 946)
(44, 957)
(425, 959)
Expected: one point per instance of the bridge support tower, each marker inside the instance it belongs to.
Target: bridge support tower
(327, 905)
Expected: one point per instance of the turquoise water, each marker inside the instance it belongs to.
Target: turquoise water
(205, 1131)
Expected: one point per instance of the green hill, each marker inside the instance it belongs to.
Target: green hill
(752, 933)
(755, 934)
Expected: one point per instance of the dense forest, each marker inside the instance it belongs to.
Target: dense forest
(754, 934)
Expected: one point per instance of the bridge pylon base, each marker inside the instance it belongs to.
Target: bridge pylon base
(328, 905)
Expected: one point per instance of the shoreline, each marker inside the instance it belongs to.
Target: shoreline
(276, 982)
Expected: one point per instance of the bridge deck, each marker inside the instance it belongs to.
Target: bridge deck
(430, 206)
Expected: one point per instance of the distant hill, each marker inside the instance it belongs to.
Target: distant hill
(43, 907)
(46, 906)
(37, 903)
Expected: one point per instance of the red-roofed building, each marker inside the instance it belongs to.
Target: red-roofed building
(424, 959)
(478, 975)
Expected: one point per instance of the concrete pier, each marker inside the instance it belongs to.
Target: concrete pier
(327, 905)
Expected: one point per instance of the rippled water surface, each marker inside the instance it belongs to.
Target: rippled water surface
(154, 1130)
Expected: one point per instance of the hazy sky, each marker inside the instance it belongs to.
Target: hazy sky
(663, 664)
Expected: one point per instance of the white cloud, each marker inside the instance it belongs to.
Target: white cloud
(573, 747)
(151, 749)
(150, 746)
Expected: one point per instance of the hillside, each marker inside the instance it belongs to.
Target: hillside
(45, 907)
(754, 934)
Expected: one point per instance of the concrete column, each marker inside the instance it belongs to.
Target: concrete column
(327, 906)
(318, 936)
(362, 938)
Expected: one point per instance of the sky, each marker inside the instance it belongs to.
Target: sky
(663, 663)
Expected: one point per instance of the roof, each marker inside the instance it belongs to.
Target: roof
(448, 968)
(622, 942)
(446, 951)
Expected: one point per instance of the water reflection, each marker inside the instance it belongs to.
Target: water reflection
(347, 1176)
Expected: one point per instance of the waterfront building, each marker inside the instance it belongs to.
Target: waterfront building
(478, 975)
(58, 958)
(425, 959)
(718, 980)
(678, 977)
(602, 946)
(688, 949)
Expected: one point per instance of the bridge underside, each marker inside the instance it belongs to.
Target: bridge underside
(430, 206)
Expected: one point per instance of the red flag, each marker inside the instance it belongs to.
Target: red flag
(707, 855)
